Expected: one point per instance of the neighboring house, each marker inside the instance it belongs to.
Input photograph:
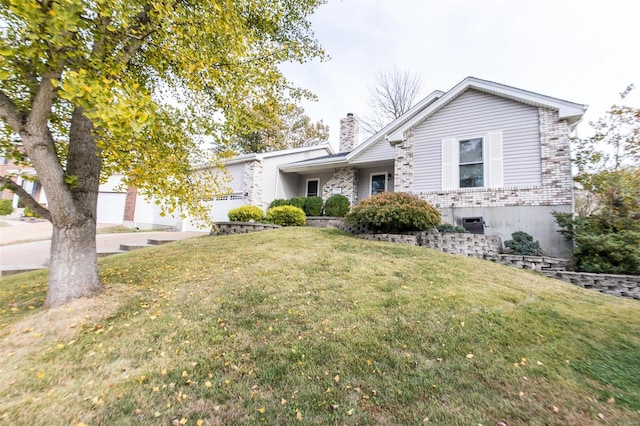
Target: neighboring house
(8, 168)
(490, 157)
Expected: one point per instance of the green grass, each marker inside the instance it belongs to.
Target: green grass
(311, 326)
(119, 229)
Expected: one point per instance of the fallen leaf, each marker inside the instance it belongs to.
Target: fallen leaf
(200, 422)
(261, 410)
(611, 401)
(601, 416)
(469, 356)
(337, 378)
(298, 416)
(283, 401)
(208, 384)
(555, 409)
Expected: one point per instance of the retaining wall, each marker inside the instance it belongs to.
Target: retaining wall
(488, 248)
(227, 228)
(324, 221)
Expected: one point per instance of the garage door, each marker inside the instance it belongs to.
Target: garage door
(111, 207)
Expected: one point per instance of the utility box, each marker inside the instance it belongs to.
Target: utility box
(475, 225)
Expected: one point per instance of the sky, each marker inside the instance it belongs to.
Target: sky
(586, 52)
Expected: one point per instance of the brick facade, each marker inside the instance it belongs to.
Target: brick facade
(130, 204)
(403, 167)
(345, 178)
(252, 183)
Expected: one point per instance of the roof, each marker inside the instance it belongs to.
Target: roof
(260, 156)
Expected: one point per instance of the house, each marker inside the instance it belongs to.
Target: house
(490, 157)
(19, 174)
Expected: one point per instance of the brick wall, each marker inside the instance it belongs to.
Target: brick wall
(345, 178)
(403, 181)
(252, 183)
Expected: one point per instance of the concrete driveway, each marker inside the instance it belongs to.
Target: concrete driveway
(25, 245)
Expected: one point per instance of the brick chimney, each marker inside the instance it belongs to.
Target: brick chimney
(349, 130)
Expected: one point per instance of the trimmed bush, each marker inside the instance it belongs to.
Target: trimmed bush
(286, 216)
(30, 213)
(279, 202)
(246, 214)
(522, 243)
(298, 202)
(313, 206)
(447, 228)
(393, 212)
(336, 206)
(6, 207)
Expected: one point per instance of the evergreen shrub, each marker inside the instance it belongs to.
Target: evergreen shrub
(246, 214)
(286, 216)
(313, 206)
(6, 207)
(336, 206)
(523, 244)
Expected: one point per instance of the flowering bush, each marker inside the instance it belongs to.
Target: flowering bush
(394, 212)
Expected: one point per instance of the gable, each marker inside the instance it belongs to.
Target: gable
(379, 151)
(474, 113)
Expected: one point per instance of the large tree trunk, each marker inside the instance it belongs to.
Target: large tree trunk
(73, 272)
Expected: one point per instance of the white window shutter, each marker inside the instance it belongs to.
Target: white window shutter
(449, 163)
(494, 160)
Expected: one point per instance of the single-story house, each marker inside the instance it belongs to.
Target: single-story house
(490, 157)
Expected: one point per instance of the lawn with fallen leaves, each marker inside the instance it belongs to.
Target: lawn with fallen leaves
(313, 326)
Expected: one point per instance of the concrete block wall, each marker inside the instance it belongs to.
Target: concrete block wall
(615, 285)
(228, 228)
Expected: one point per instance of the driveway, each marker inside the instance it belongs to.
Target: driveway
(26, 245)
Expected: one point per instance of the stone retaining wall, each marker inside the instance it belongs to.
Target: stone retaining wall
(324, 221)
(615, 285)
(227, 228)
(475, 246)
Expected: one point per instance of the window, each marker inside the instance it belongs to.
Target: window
(313, 186)
(378, 183)
(471, 163)
(474, 161)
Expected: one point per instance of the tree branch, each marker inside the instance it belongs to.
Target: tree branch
(25, 197)
(10, 113)
(42, 102)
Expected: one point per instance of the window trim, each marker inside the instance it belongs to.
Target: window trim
(483, 139)
(306, 187)
(386, 181)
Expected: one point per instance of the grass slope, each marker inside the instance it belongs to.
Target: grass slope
(312, 326)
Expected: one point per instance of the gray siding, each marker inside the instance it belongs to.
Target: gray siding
(473, 113)
(364, 180)
(288, 186)
(380, 151)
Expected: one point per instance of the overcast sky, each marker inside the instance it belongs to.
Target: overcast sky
(582, 51)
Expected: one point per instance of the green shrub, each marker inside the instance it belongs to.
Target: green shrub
(279, 202)
(286, 216)
(313, 206)
(246, 214)
(297, 201)
(30, 213)
(336, 206)
(612, 253)
(6, 207)
(522, 243)
(447, 228)
(394, 212)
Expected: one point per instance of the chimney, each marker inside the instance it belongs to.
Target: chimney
(349, 129)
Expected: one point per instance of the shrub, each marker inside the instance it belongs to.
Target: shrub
(297, 201)
(286, 216)
(394, 212)
(522, 243)
(447, 228)
(337, 206)
(279, 202)
(30, 213)
(612, 253)
(6, 207)
(246, 214)
(313, 206)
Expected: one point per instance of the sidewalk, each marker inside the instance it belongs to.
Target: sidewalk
(26, 245)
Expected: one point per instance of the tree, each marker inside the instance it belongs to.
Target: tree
(391, 95)
(606, 226)
(274, 130)
(89, 88)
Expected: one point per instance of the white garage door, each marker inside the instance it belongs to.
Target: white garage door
(111, 207)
